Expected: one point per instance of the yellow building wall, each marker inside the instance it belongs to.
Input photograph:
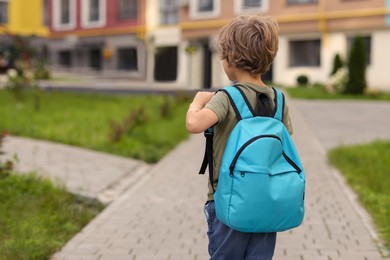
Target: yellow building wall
(25, 17)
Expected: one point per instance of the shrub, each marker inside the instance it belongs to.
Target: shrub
(41, 72)
(135, 118)
(356, 83)
(302, 80)
(337, 64)
(6, 166)
(166, 107)
(338, 81)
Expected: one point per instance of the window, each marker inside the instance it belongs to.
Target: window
(367, 45)
(127, 59)
(169, 12)
(45, 12)
(95, 58)
(204, 9)
(301, 1)
(65, 58)
(127, 10)
(94, 10)
(3, 12)
(165, 67)
(64, 14)
(93, 13)
(242, 6)
(305, 53)
(205, 6)
(251, 3)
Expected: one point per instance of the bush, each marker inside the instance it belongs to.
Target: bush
(337, 64)
(338, 81)
(6, 166)
(302, 80)
(356, 83)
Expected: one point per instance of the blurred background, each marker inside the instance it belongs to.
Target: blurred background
(170, 43)
(165, 50)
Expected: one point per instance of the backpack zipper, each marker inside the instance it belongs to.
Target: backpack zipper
(253, 139)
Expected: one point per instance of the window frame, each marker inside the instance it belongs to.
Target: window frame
(298, 65)
(118, 53)
(239, 7)
(174, 8)
(57, 25)
(172, 73)
(85, 10)
(125, 19)
(6, 19)
(196, 15)
(45, 12)
(297, 2)
(69, 62)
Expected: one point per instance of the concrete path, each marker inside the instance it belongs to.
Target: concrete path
(347, 122)
(159, 214)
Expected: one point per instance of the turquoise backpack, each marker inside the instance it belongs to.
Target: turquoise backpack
(261, 185)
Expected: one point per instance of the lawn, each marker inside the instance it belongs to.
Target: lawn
(38, 218)
(366, 168)
(144, 127)
(319, 92)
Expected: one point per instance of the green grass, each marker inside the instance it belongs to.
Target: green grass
(85, 120)
(37, 218)
(366, 168)
(319, 92)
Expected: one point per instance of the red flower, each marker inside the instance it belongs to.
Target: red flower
(5, 133)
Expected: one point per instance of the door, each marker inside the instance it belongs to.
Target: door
(95, 58)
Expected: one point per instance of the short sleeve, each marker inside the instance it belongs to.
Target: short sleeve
(219, 104)
(287, 120)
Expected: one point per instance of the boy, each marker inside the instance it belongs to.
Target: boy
(247, 47)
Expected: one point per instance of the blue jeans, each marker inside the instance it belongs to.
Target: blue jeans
(228, 244)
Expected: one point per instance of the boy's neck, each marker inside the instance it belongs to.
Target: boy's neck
(250, 78)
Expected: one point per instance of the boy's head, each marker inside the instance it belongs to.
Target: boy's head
(249, 43)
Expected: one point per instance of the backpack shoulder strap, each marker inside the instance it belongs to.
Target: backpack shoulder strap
(279, 104)
(242, 109)
(208, 156)
(239, 102)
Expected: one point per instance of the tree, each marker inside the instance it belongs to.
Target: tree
(337, 64)
(356, 83)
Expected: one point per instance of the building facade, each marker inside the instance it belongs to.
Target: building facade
(22, 18)
(171, 43)
(312, 32)
(104, 36)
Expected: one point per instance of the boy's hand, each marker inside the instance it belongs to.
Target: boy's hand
(199, 118)
(202, 98)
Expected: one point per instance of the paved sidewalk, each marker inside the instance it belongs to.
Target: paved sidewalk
(88, 173)
(159, 216)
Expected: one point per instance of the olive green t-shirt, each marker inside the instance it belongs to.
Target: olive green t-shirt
(227, 119)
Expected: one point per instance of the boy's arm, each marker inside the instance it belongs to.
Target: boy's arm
(198, 117)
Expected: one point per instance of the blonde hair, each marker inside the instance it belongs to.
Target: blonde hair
(249, 43)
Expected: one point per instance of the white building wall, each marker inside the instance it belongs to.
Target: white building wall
(171, 36)
(219, 76)
(378, 76)
(195, 71)
(331, 44)
(164, 37)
